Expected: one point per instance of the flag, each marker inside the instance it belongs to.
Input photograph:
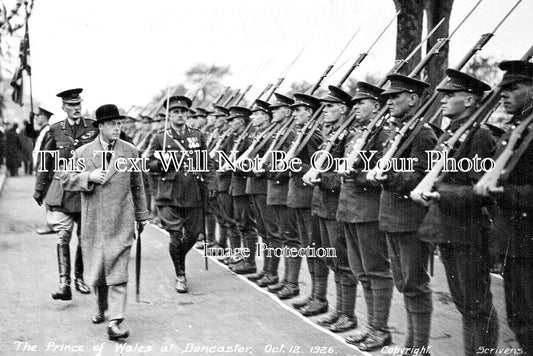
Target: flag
(17, 84)
(25, 65)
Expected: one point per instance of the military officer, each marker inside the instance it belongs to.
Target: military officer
(181, 192)
(400, 217)
(359, 212)
(513, 217)
(63, 208)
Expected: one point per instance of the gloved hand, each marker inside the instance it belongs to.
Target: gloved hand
(140, 225)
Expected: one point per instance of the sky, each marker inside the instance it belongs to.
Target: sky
(125, 51)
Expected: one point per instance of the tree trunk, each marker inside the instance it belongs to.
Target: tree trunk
(409, 31)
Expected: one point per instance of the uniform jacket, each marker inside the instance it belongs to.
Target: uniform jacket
(181, 187)
(109, 212)
(224, 178)
(254, 184)
(359, 199)
(326, 192)
(64, 139)
(300, 195)
(460, 216)
(513, 219)
(397, 212)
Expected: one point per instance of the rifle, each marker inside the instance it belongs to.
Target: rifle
(230, 99)
(411, 128)
(418, 121)
(502, 166)
(257, 145)
(463, 135)
(241, 137)
(314, 122)
(240, 97)
(219, 98)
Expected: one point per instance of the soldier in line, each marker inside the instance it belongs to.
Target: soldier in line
(400, 217)
(180, 193)
(199, 118)
(460, 224)
(63, 208)
(325, 202)
(277, 190)
(242, 212)
(105, 228)
(226, 218)
(299, 198)
(212, 209)
(257, 188)
(514, 217)
(358, 211)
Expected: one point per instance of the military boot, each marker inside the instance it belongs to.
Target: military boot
(247, 264)
(347, 319)
(299, 304)
(292, 288)
(302, 303)
(333, 316)
(79, 283)
(274, 288)
(63, 260)
(319, 304)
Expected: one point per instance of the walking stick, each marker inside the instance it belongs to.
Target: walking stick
(138, 262)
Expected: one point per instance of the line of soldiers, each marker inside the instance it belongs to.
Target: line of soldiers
(380, 236)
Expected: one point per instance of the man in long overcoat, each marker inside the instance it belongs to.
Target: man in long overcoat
(112, 200)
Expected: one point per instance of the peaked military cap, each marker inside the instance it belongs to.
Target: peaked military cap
(460, 81)
(516, 72)
(45, 112)
(128, 119)
(260, 105)
(220, 111)
(337, 95)
(367, 91)
(239, 111)
(71, 96)
(105, 113)
(281, 100)
(178, 101)
(145, 119)
(401, 83)
(302, 99)
(201, 112)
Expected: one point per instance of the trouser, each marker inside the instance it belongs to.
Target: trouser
(287, 237)
(518, 285)
(245, 228)
(409, 261)
(369, 262)
(332, 236)
(309, 234)
(63, 224)
(468, 273)
(225, 219)
(183, 225)
(114, 298)
(269, 231)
